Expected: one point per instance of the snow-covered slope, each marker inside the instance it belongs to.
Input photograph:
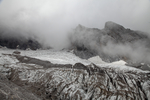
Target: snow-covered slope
(96, 60)
(71, 78)
(55, 57)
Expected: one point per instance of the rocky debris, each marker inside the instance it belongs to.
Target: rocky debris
(76, 82)
(84, 53)
(11, 91)
(17, 52)
(89, 42)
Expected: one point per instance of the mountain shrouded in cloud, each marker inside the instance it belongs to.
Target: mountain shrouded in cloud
(104, 50)
(112, 43)
(50, 20)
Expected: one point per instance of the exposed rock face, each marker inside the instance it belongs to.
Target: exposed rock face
(89, 42)
(11, 91)
(121, 35)
(16, 52)
(19, 42)
(75, 82)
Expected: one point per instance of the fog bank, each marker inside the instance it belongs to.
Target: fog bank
(51, 20)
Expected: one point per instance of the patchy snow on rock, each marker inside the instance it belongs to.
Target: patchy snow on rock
(5, 59)
(118, 65)
(64, 57)
(123, 68)
(107, 81)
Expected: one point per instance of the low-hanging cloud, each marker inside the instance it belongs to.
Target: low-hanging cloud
(50, 20)
(136, 52)
(112, 43)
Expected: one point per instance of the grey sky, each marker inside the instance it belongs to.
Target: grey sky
(51, 19)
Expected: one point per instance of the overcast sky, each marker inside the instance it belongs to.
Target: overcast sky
(51, 19)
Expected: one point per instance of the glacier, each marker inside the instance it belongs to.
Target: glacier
(61, 75)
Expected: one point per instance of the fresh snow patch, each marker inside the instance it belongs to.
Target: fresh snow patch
(96, 60)
(55, 57)
(61, 57)
(120, 62)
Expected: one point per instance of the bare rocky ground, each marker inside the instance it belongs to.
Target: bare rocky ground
(11, 91)
(27, 78)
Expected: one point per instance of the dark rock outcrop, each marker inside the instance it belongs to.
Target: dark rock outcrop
(17, 52)
(19, 42)
(121, 35)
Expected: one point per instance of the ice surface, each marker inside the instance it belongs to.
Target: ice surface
(64, 57)
(108, 77)
(55, 57)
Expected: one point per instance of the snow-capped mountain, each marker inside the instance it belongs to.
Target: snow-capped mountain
(65, 75)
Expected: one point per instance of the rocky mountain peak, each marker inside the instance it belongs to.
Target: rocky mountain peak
(80, 27)
(113, 26)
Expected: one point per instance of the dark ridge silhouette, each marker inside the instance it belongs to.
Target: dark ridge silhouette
(19, 42)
